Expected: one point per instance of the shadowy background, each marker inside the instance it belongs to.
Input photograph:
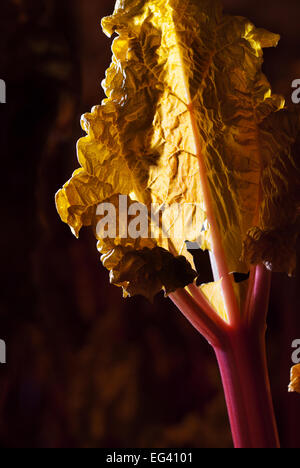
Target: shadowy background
(87, 368)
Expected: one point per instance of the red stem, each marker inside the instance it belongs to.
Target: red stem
(217, 245)
(241, 355)
(243, 367)
(257, 302)
(197, 317)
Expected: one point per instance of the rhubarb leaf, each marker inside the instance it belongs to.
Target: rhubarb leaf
(185, 86)
(295, 379)
(139, 265)
(273, 241)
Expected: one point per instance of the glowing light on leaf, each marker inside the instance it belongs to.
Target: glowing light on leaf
(295, 379)
(185, 87)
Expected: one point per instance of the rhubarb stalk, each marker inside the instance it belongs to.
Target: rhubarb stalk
(241, 354)
(189, 118)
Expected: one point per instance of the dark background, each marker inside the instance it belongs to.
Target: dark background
(87, 368)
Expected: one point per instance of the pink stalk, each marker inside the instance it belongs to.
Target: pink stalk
(242, 363)
(241, 355)
(197, 317)
(217, 246)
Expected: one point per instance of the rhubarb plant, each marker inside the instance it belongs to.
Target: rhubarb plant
(190, 118)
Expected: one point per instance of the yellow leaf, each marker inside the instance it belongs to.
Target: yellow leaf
(184, 88)
(213, 293)
(273, 241)
(295, 379)
(139, 265)
(77, 200)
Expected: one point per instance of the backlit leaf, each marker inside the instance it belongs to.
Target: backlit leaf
(274, 240)
(139, 265)
(185, 84)
(295, 379)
